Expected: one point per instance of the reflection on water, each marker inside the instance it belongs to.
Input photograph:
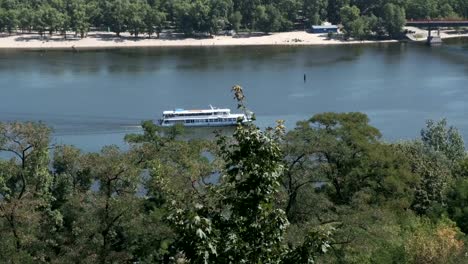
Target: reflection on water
(93, 98)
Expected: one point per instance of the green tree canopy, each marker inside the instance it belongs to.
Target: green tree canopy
(393, 19)
(447, 140)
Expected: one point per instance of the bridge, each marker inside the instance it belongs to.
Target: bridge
(436, 25)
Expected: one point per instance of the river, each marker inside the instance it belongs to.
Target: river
(93, 98)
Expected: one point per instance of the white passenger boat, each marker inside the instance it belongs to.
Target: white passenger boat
(202, 118)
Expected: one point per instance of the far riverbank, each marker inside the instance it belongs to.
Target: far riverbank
(105, 40)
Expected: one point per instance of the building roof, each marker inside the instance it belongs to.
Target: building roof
(325, 27)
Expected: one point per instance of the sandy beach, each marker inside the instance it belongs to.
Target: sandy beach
(96, 40)
(105, 40)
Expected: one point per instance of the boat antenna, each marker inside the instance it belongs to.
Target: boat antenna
(211, 107)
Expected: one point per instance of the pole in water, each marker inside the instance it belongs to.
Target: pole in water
(305, 77)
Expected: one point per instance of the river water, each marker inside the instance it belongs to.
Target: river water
(93, 98)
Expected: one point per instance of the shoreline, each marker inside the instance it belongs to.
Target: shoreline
(105, 40)
(110, 47)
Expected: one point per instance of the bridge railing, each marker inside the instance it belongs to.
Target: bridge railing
(438, 20)
(437, 23)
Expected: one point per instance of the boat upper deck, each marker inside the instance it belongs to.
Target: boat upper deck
(207, 112)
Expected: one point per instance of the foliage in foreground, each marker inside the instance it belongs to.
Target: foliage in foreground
(328, 191)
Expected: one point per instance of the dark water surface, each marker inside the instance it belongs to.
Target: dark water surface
(93, 98)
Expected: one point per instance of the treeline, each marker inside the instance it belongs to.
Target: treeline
(328, 191)
(360, 18)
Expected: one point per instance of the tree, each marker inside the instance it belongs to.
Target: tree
(70, 163)
(433, 169)
(115, 15)
(422, 9)
(290, 11)
(315, 11)
(358, 29)
(80, 19)
(63, 24)
(184, 21)
(369, 6)
(50, 18)
(206, 16)
(154, 21)
(349, 16)
(267, 18)
(186, 166)
(346, 139)
(2, 22)
(434, 243)
(457, 206)
(447, 140)
(25, 189)
(135, 17)
(341, 152)
(248, 10)
(460, 169)
(26, 19)
(39, 20)
(393, 19)
(200, 11)
(235, 20)
(461, 7)
(334, 9)
(100, 234)
(373, 25)
(337, 172)
(220, 11)
(446, 11)
(10, 20)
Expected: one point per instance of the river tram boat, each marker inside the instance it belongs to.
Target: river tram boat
(214, 117)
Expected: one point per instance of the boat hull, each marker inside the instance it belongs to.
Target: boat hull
(200, 124)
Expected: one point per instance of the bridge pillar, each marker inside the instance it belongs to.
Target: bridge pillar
(433, 40)
(431, 24)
